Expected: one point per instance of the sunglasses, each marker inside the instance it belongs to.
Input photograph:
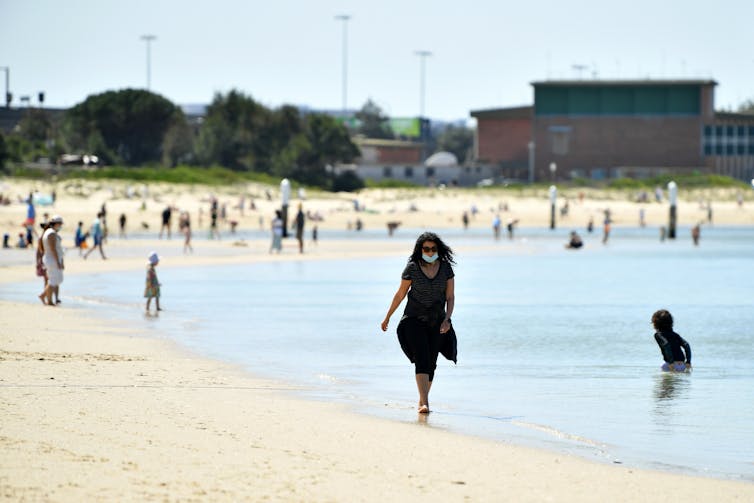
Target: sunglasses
(427, 249)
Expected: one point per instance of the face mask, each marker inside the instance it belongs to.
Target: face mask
(429, 259)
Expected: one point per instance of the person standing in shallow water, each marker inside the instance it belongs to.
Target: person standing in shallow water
(428, 281)
(298, 224)
(676, 352)
(152, 289)
(277, 232)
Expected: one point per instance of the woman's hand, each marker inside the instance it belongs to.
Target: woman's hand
(384, 324)
(444, 326)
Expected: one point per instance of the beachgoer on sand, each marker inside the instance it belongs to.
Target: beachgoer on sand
(152, 289)
(98, 237)
(80, 238)
(166, 218)
(676, 352)
(41, 270)
(425, 328)
(184, 224)
(53, 259)
(277, 232)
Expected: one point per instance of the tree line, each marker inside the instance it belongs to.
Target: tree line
(134, 127)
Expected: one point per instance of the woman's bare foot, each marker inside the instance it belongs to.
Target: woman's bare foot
(42, 298)
(423, 409)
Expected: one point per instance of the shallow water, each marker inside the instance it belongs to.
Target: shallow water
(555, 346)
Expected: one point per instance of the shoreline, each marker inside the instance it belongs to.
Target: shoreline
(93, 411)
(79, 200)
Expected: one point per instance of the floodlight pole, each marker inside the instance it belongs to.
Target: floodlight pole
(7, 85)
(344, 18)
(148, 39)
(422, 57)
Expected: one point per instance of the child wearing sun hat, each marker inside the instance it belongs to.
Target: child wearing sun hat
(152, 289)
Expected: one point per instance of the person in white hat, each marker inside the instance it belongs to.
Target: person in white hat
(53, 259)
(152, 290)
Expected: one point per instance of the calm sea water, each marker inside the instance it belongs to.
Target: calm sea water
(555, 347)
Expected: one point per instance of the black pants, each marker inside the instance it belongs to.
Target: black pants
(424, 340)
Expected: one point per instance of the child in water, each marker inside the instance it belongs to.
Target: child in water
(675, 350)
(152, 289)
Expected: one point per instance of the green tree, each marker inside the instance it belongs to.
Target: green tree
(348, 181)
(373, 122)
(126, 126)
(241, 134)
(458, 140)
(178, 143)
(230, 134)
(3, 152)
(36, 125)
(306, 155)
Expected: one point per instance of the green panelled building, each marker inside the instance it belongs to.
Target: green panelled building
(607, 129)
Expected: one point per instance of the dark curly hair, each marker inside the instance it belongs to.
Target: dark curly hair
(662, 320)
(443, 251)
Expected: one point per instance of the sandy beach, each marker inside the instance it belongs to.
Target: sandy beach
(98, 412)
(411, 208)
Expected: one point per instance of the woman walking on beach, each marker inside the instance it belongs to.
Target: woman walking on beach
(428, 281)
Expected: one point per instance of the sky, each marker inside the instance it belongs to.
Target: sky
(484, 53)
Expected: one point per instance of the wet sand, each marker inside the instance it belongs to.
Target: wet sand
(95, 411)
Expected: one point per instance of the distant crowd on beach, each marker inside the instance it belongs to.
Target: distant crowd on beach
(49, 263)
(94, 236)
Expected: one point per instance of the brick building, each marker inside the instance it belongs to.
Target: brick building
(609, 129)
(502, 139)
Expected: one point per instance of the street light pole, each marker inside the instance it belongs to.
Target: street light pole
(148, 39)
(7, 85)
(422, 57)
(344, 18)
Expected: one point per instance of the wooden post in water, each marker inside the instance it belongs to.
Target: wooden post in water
(285, 195)
(553, 200)
(672, 197)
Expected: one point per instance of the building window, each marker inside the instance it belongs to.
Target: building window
(729, 149)
(719, 131)
(430, 172)
(741, 150)
(718, 149)
(408, 172)
(741, 131)
(387, 171)
(559, 139)
(707, 130)
(751, 131)
(707, 149)
(730, 131)
(751, 148)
